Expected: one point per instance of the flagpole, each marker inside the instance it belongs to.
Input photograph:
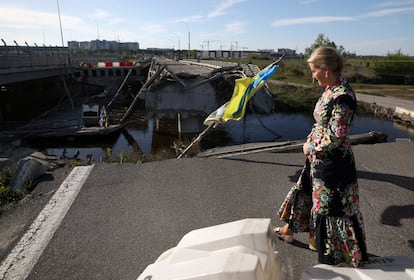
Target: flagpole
(213, 124)
(199, 137)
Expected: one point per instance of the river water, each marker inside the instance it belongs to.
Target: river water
(148, 140)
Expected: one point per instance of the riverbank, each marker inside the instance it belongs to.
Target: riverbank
(385, 102)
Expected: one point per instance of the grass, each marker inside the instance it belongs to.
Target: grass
(294, 98)
(8, 196)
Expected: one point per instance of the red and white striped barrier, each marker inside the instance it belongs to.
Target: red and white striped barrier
(115, 64)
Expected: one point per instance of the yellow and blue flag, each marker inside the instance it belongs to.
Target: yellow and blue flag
(244, 89)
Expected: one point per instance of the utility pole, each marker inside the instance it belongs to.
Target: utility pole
(231, 47)
(188, 54)
(60, 23)
(189, 40)
(221, 50)
(208, 45)
(208, 48)
(241, 55)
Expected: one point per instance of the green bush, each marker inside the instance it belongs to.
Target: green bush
(293, 99)
(7, 195)
(395, 69)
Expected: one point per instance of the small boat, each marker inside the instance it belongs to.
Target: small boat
(88, 120)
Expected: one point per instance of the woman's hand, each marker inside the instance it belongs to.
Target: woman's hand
(306, 150)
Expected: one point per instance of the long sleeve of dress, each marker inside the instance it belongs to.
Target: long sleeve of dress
(334, 118)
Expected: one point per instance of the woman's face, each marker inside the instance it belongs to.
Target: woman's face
(319, 74)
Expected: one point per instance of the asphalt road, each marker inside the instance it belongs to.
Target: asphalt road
(388, 102)
(126, 215)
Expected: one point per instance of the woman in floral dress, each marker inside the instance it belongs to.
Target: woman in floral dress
(325, 199)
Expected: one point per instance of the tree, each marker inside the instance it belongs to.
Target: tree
(321, 40)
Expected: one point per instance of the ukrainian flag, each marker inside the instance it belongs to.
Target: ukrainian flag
(244, 89)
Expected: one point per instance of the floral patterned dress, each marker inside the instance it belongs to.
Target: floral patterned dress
(325, 199)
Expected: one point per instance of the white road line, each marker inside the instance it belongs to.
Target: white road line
(21, 260)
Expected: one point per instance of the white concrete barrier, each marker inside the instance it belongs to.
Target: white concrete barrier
(241, 249)
(378, 268)
(403, 111)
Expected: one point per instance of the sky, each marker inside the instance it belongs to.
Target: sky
(363, 27)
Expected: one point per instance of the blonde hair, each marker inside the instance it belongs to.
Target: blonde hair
(327, 57)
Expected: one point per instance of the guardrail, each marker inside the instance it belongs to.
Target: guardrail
(21, 59)
(12, 64)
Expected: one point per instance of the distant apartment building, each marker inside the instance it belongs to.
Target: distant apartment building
(287, 52)
(96, 45)
(279, 52)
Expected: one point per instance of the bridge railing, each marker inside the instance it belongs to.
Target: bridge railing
(22, 59)
(19, 63)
